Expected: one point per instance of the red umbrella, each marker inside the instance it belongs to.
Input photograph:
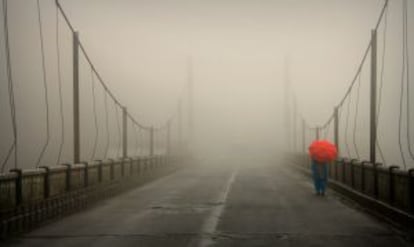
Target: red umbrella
(322, 151)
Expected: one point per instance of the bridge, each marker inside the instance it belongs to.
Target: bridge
(103, 175)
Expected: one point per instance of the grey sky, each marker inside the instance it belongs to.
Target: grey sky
(238, 49)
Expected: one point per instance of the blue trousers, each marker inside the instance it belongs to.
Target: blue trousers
(320, 176)
(320, 185)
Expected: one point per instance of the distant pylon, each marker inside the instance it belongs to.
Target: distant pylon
(287, 111)
(190, 81)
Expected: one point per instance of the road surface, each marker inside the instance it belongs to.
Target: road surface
(219, 203)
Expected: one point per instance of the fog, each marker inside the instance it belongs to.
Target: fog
(237, 55)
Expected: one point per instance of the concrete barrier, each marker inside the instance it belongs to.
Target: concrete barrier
(107, 171)
(93, 173)
(57, 180)
(401, 190)
(369, 184)
(117, 169)
(383, 184)
(357, 176)
(77, 176)
(32, 185)
(29, 197)
(8, 190)
(347, 172)
(134, 165)
(332, 170)
(388, 191)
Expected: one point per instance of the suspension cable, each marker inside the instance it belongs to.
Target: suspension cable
(44, 85)
(356, 75)
(59, 72)
(364, 56)
(64, 16)
(89, 60)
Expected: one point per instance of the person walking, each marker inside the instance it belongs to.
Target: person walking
(321, 152)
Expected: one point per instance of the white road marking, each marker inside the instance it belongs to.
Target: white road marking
(210, 225)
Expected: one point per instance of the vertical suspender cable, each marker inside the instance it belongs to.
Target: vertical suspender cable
(10, 89)
(44, 85)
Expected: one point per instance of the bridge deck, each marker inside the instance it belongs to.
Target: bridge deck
(218, 206)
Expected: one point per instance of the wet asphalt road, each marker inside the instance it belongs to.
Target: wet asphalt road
(222, 204)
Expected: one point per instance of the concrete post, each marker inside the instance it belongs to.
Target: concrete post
(373, 96)
(18, 186)
(336, 129)
(303, 136)
(392, 184)
(317, 133)
(124, 132)
(190, 103)
(151, 142)
(411, 188)
(76, 104)
(180, 124)
(46, 182)
(294, 141)
(168, 151)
